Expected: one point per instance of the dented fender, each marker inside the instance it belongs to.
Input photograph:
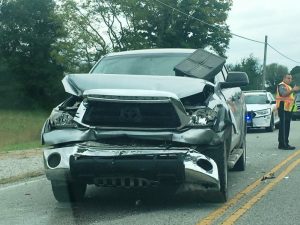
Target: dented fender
(192, 136)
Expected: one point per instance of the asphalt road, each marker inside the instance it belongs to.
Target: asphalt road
(266, 193)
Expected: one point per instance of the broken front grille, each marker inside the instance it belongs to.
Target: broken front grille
(141, 115)
(128, 171)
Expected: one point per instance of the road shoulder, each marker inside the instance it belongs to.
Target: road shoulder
(18, 165)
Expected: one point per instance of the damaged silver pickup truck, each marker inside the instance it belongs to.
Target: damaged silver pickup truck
(148, 118)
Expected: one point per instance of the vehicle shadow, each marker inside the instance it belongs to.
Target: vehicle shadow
(258, 130)
(139, 197)
(106, 204)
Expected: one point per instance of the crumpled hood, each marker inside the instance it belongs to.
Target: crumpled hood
(257, 107)
(76, 84)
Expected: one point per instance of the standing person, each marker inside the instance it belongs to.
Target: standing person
(285, 100)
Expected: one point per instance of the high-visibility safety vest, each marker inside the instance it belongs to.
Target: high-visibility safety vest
(289, 100)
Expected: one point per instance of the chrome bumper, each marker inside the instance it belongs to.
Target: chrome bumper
(199, 170)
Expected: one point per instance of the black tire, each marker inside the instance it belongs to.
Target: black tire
(241, 163)
(68, 191)
(220, 157)
(271, 128)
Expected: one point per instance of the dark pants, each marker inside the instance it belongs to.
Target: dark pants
(284, 126)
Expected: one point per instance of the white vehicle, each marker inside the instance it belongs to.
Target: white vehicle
(148, 118)
(261, 110)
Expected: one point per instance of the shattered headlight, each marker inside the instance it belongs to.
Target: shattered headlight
(60, 119)
(204, 116)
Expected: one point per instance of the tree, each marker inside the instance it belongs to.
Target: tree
(86, 39)
(296, 75)
(274, 74)
(97, 27)
(253, 69)
(29, 30)
(162, 25)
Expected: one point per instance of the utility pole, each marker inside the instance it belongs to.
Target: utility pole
(264, 65)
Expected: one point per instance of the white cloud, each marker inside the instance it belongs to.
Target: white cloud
(256, 18)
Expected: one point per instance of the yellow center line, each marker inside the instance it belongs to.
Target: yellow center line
(237, 214)
(220, 211)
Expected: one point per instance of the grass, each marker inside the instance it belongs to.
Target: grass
(20, 129)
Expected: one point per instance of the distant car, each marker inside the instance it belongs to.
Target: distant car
(296, 112)
(146, 118)
(261, 110)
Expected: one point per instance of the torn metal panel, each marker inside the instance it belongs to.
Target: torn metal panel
(128, 119)
(200, 64)
(196, 168)
(70, 135)
(130, 108)
(76, 84)
(194, 136)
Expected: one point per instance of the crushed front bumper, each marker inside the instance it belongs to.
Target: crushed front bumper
(132, 166)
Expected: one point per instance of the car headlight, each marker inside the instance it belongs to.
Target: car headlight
(265, 112)
(204, 116)
(60, 119)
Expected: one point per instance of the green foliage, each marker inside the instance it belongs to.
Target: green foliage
(84, 42)
(20, 129)
(253, 69)
(274, 74)
(95, 27)
(152, 24)
(29, 73)
(164, 27)
(295, 70)
(296, 75)
(251, 65)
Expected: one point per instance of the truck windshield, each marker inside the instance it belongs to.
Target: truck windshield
(140, 64)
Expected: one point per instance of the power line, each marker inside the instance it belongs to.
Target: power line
(233, 34)
(190, 16)
(249, 39)
(208, 24)
(282, 54)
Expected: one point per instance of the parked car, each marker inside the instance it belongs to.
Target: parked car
(148, 118)
(261, 110)
(296, 111)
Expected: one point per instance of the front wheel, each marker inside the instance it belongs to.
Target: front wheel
(241, 163)
(68, 191)
(220, 157)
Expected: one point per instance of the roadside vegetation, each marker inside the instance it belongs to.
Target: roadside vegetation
(20, 129)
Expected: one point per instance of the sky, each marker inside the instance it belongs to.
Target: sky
(255, 19)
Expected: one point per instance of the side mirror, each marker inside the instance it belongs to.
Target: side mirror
(273, 102)
(235, 79)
